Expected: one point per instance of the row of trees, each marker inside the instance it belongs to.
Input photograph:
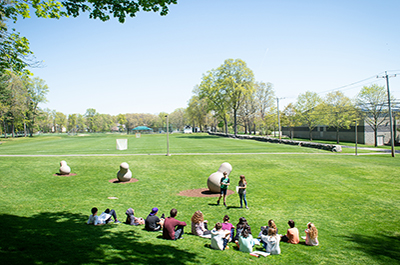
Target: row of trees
(227, 98)
(229, 95)
(18, 120)
(20, 97)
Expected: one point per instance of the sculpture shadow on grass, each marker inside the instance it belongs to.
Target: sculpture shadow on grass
(381, 247)
(64, 238)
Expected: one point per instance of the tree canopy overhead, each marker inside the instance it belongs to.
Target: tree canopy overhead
(101, 9)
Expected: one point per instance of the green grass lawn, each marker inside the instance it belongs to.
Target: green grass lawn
(146, 144)
(353, 200)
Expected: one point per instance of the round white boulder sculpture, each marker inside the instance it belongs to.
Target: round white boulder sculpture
(64, 168)
(213, 181)
(124, 174)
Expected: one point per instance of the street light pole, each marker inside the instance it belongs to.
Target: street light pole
(168, 154)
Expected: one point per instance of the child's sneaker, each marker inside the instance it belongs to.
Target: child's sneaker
(117, 222)
(227, 247)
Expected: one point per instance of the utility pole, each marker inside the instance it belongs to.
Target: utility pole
(390, 109)
(356, 136)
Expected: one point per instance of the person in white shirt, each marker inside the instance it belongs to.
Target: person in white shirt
(103, 218)
(219, 237)
(272, 242)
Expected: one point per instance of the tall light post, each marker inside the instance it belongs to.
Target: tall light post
(168, 154)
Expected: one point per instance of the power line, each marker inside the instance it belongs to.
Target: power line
(352, 84)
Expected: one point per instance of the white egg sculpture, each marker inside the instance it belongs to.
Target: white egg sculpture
(124, 174)
(64, 168)
(213, 181)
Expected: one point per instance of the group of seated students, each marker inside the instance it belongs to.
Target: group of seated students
(220, 235)
(170, 227)
(224, 232)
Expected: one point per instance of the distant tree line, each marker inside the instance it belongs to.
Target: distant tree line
(228, 99)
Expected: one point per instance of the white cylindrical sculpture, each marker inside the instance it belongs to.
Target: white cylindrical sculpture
(64, 168)
(124, 174)
(213, 181)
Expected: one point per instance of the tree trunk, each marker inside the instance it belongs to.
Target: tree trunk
(226, 125)
(337, 135)
(5, 128)
(31, 127)
(12, 130)
(234, 123)
(25, 129)
(376, 135)
(310, 135)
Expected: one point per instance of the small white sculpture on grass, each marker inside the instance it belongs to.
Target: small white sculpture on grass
(64, 168)
(213, 181)
(124, 174)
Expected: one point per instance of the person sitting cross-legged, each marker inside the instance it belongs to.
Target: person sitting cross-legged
(173, 229)
(152, 222)
(219, 237)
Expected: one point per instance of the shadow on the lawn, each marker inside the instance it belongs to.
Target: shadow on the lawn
(64, 238)
(381, 247)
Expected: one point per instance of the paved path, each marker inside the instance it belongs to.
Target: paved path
(202, 154)
(373, 149)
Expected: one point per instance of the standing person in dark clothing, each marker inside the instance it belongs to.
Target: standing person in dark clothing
(224, 187)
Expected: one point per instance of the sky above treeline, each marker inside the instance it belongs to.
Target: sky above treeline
(150, 63)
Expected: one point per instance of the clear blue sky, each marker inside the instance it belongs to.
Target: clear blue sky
(151, 63)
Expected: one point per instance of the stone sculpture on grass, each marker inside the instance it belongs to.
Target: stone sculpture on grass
(64, 168)
(213, 181)
(124, 174)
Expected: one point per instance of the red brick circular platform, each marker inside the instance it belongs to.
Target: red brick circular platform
(204, 192)
(123, 182)
(62, 175)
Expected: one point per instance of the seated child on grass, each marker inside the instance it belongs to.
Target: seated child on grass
(239, 227)
(272, 242)
(264, 230)
(311, 235)
(219, 237)
(292, 235)
(228, 226)
(199, 225)
(131, 219)
(173, 228)
(152, 222)
(103, 218)
(246, 241)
